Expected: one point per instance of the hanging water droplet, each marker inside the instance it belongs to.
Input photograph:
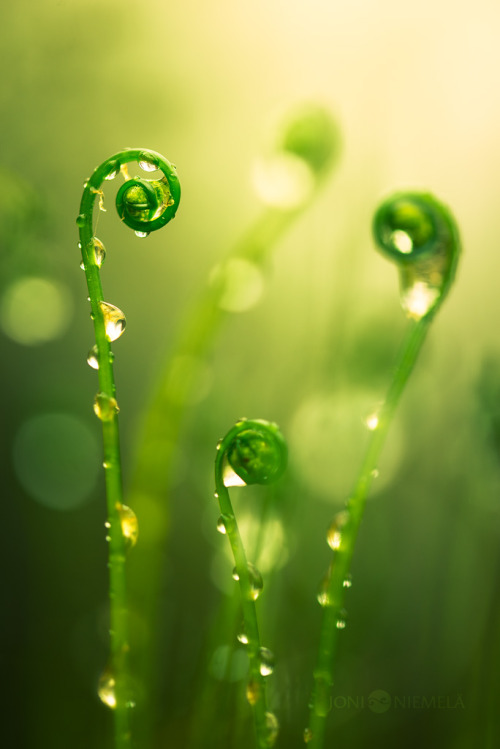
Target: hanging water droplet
(85, 184)
(308, 735)
(105, 407)
(323, 595)
(235, 575)
(142, 234)
(147, 166)
(92, 357)
(107, 524)
(81, 219)
(106, 689)
(253, 692)
(99, 251)
(347, 581)
(256, 582)
(114, 320)
(129, 525)
(272, 728)
(82, 265)
(334, 533)
(242, 637)
(221, 525)
(266, 662)
(79, 245)
(114, 168)
(372, 421)
(341, 619)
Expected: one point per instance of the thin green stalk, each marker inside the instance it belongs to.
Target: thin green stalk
(311, 138)
(144, 205)
(420, 235)
(256, 452)
(344, 542)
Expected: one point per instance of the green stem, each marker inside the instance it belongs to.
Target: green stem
(256, 684)
(114, 684)
(342, 556)
(118, 667)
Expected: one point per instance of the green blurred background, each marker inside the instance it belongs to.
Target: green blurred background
(416, 93)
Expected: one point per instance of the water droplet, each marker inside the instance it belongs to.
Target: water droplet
(114, 320)
(334, 534)
(266, 662)
(129, 524)
(99, 251)
(221, 525)
(105, 407)
(418, 299)
(230, 477)
(372, 421)
(106, 689)
(323, 596)
(236, 575)
(256, 582)
(79, 245)
(107, 524)
(92, 357)
(242, 637)
(272, 728)
(81, 219)
(142, 234)
(347, 581)
(108, 538)
(322, 693)
(82, 265)
(308, 735)
(147, 166)
(114, 168)
(85, 184)
(253, 692)
(341, 619)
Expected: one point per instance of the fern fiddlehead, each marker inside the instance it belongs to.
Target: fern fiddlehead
(145, 206)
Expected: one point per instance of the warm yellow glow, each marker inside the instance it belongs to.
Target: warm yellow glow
(419, 300)
(283, 180)
(35, 311)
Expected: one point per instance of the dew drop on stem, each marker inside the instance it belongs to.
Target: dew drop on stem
(92, 357)
(99, 251)
(334, 533)
(129, 525)
(147, 166)
(266, 662)
(105, 407)
(114, 320)
(106, 689)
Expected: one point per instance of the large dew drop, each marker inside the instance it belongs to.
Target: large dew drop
(105, 407)
(266, 662)
(114, 320)
(106, 689)
(129, 525)
(99, 251)
(334, 534)
(272, 728)
(92, 357)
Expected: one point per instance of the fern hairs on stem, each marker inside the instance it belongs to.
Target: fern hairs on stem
(145, 206)
(310, 137)
(419, 234)
(252, 452)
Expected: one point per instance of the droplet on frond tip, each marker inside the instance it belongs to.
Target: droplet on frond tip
(258, 453)
(114, 320)
(420, 235)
